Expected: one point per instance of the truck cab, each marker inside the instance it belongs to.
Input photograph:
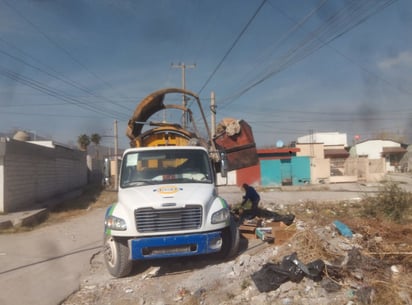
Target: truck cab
(167, 206)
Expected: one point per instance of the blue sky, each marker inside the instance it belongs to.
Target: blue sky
(288, 67)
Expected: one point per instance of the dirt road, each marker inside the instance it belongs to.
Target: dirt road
(44, 266)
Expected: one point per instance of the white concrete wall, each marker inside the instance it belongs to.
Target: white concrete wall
(229, 180)
(319, 170)
(365, 169)
(1, 185)
(315, 150)
(327, 138)
(372, 148)
(33, 174)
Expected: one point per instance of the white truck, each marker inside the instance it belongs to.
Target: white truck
(168, 204)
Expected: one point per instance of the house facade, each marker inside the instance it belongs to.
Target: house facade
(391, 151)
(328, 153)
(276, 167)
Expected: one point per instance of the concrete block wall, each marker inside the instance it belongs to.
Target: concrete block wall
(319, 170)
(365, 169)
(32, 174)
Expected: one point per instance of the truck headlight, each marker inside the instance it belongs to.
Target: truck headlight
(115, 223)
(221, 216)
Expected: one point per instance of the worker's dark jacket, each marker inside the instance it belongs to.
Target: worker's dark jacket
(251, 194)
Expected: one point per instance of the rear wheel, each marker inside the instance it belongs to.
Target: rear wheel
(116, 256)
(230, 241)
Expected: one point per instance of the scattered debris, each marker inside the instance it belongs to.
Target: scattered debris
(343, 229)
(271, 276)
(270, 227)
(152, 272)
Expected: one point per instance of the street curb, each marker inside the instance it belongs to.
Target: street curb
(25, 218)
(34, 216)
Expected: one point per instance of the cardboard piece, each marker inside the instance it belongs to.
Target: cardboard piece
(247, 231)
(282, 235)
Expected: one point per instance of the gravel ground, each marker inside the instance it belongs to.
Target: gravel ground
(245, 279)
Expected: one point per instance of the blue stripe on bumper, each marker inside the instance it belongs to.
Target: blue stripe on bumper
(174, 246)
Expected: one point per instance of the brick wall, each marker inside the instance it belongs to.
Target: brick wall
(32, 174)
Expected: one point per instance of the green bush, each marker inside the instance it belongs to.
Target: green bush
(391, 201)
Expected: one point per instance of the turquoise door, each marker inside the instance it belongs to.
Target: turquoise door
(286, 171)
(301, 170)
(270, 173)
(294, 171)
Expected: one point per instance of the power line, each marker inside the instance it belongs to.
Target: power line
(348, 17)
(64, 115)
(232, 46)
(59, 78)
(297, 25)
(58, 46)
(52, 92)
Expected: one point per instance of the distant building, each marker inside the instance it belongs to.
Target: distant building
(329, 139)
(406, 161)
(392, 151)
(328, 152)
(324, 158)
(277, 166)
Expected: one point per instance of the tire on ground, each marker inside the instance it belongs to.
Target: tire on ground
(116, 256)
(230, 241)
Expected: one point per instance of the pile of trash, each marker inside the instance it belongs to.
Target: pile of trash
(336, 262)
(340, 265)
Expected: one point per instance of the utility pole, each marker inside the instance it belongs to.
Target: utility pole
(116, 148)
(183, 67)
(213, 113)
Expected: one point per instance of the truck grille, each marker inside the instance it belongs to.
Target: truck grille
(149, 220)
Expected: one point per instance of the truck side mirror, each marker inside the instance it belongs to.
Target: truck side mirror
(223, 165)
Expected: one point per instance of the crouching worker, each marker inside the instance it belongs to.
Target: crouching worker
(249, 206)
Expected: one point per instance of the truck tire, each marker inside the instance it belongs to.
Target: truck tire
(116, 256)
(230, 241)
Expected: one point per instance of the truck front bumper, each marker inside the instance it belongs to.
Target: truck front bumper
(175, 246)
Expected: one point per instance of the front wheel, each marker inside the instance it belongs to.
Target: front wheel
(116, 256)
(230, 241)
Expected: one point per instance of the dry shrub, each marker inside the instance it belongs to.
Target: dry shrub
(312, 211)
(390, 242)
(392, 202)
(323, 213)
(392, 291)
(311, 247)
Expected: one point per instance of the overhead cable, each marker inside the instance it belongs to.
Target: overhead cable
(339, 23)
(232, 46)
(58, 46)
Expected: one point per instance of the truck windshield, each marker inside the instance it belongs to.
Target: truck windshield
(165, 166)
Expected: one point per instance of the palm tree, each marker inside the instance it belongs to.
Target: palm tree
(96, 138)
(83, 141)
